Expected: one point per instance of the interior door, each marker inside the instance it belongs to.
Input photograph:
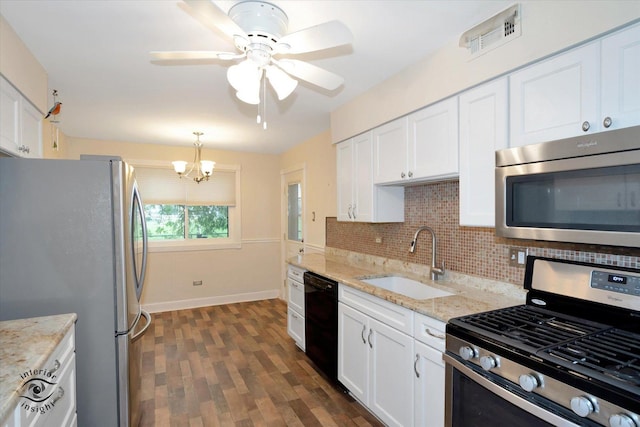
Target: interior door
(292, 216)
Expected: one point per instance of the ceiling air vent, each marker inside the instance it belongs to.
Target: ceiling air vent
(494, 32)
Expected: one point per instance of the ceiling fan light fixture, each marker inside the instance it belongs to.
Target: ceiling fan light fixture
(281, 82)
(244, 76)
(249, 97)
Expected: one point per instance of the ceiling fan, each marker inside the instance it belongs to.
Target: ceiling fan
(259, 32)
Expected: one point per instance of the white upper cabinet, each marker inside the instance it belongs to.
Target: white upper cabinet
(433, 141)
(484, 119)
(556, 98)
(585, 90)
(390, 148)
(20, 123)
(420, 147)
(621, 79)
(358, 198)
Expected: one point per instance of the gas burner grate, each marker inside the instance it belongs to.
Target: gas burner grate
(614, 353)
(532, 327)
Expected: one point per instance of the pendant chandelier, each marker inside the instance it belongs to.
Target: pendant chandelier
(203, 168)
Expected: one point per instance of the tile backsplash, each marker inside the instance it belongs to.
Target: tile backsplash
(469, 250)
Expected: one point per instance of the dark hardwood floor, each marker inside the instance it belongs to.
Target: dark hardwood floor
(235, 365)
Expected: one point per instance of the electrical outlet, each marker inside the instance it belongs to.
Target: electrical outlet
(517, 257)
(197, 283)
(378, 239)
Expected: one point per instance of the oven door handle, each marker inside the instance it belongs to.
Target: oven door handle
(514, 399)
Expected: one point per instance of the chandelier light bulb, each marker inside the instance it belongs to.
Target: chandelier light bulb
(179, 166)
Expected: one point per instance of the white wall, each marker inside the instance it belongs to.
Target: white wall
(228, 275)
(547, 27)
(319, 156)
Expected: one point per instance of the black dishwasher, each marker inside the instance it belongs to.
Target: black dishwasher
(321, 323)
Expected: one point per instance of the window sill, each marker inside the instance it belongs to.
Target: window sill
(196, 245)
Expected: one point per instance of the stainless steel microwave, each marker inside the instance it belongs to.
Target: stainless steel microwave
(584, 189)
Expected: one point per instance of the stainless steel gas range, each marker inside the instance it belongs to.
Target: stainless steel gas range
(569, 357)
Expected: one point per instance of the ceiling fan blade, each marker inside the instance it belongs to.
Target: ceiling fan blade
(186, 55)
(310, 73)
(281, 82)
(213, 17)
(322, 36)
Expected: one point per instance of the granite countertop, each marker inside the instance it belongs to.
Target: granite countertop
(26, 344)
(471, 294)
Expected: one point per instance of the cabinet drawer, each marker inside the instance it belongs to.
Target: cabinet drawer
(296, 295)
(296, 273)
(295, 327)
(429, 331)
(386, 312)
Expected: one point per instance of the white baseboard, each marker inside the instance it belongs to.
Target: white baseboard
(158, 307)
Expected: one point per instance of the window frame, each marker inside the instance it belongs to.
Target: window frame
(234, 241)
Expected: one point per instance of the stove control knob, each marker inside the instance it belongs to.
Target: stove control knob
(467, 353)
(582, 406)
(529, 382)
(488, 362)
(621, 420)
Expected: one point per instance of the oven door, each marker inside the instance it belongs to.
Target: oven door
(472, 400)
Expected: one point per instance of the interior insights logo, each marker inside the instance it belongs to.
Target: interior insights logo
(39, 390)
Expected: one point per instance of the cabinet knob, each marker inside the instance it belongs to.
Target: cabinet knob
(607, 122)
(586, 126)
(349, 212)
(415, 366)
(353, 211)
(369, 338)
(364, 328)
(410, 174)
(402, 175)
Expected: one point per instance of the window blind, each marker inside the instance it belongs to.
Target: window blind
(162, 186)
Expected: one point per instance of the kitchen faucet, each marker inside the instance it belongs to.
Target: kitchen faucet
(435, 271)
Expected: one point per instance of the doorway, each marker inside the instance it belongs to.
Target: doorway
(293, 226)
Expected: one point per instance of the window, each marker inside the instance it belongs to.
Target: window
(183, 215)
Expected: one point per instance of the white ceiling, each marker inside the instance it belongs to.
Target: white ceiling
(96, 54)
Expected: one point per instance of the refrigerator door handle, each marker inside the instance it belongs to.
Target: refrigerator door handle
(139, 207)
(140, 333)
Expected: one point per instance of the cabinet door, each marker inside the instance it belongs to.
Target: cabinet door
(345, 181)
(353, 351)
(295, 327)
(433, 141)
(391, 375)
(483, 130)
(428, 390)
(363, 171)
(31, 126)
(621, 78)
(552, 99)
(9, 117)
(390, 151)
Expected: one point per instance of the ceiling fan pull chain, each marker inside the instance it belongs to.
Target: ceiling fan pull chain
(264, 102)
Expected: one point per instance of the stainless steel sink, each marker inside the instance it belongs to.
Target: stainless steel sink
(407, 287)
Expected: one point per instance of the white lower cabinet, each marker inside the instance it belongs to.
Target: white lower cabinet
(295, 305)
(375, 360)
(60, 408)
(429, 377)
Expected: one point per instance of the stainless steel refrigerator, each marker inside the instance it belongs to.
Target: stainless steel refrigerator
(73, 239)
